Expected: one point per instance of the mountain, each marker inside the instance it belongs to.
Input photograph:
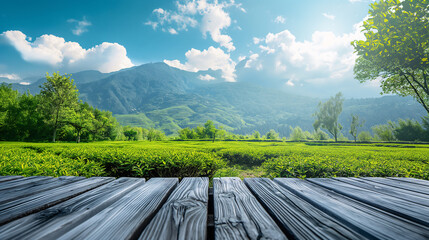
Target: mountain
(157, 95)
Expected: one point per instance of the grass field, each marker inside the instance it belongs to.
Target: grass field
(203, 158)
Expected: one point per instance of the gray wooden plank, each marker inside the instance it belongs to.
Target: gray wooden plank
(37, 202)
(8, 178)
(33, 187)
(369, 221)
(184, 215)
(409, 210)
(410, 186)
(239, 215)
(20, 181)
(403, 194)
(55, 221)
(413, 180)
(297, 218)
(127, 217)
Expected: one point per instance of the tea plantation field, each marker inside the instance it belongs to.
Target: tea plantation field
(203, 158)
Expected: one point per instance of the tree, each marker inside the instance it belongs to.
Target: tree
(364, 136)
(327, 115)
(81, 119)
(396, 48)
(59, 97)
(408, 130)
(131, 134)
(155, 135)
(256, 135)
(296, 134)
(384, 132)
(210, 130)
(354, 126)
(272, 135)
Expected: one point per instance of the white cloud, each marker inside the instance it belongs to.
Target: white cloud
(325, 58)
(206, 77)
(214, 20)
(257, 40)
(280, 19)
(80, 26)
(328, 16)
(251, 62)
(290, 83)
(172, 31)
(24, 83)
(211, 58)
(55, 51)
(211, 18)
(10, 76)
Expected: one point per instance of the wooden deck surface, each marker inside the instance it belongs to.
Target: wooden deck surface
(256, 208)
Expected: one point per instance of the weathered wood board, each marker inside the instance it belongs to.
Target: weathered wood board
(127, 217)
(383, 189)
(406, 209)
(298, 218)
(238, 215)
(369, 221)
(24, 206)
(55, 221)
(128, 208)
(184, 215)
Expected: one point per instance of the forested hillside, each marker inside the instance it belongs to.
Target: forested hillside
(159, 96)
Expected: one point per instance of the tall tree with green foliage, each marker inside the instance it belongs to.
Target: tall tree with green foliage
(210, 130)
(328, 113)
(8, 98)
(81, 119)
(272, 135)
(59, 97)
(354, 126)
(396, 48)
(384, 132)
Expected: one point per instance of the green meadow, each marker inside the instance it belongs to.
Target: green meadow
(223, 158)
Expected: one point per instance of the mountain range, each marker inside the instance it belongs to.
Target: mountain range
(159, 96)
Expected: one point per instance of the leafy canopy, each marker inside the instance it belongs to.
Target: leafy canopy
(328, 113)
(396, 48)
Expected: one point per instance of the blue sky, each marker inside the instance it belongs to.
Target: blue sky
(302, 43)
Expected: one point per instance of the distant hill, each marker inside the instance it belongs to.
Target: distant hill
(157, 95)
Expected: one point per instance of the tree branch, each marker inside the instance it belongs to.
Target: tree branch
(419, 83)
(417, 93)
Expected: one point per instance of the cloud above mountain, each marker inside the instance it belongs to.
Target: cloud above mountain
(325, 58)
(211, 58)
(55, 51)
(211, 17)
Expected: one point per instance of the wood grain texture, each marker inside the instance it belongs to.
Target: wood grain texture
(24, 206)
(403, 194)
(8, 178)
(34, 187)
(406, 209)
(127, 217)
(184, 215)
(238, 215)
(55, 221)
(412, 180)
(410, 186)
(20, 181)
(369, 221)
(297, 218)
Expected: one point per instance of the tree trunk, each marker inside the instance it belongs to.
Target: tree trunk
(78, 136)
(55, 134)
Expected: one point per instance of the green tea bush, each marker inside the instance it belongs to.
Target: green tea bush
(346, 165)
(150, 163)
(28, 162)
